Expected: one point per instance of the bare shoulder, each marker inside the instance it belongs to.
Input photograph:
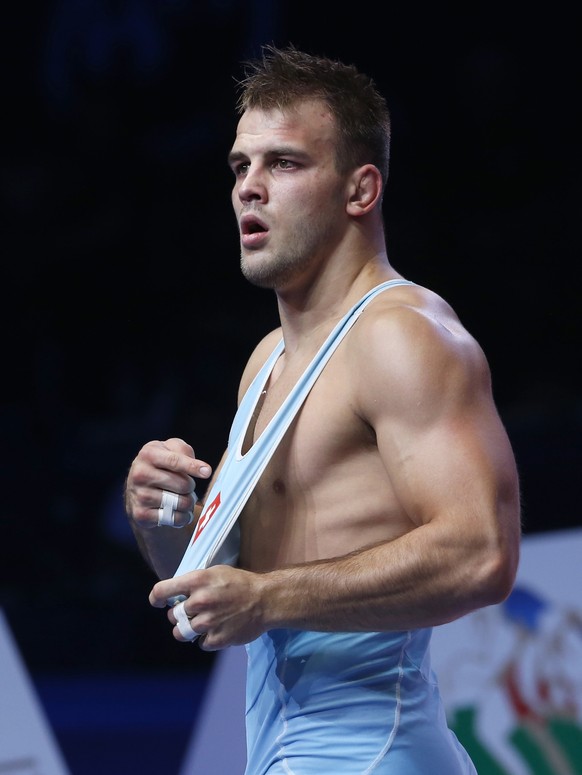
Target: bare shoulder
(258, 357)
(411, 349)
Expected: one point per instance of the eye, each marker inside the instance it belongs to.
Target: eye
(240, 169)
(284, 164)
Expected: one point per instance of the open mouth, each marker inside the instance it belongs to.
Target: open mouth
(253, 232)
(252, 225)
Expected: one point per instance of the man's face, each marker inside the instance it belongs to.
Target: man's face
(288, 196)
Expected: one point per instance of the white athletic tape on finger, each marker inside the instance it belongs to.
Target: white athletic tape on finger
(167, 509)
(166, 512)
(169, 505)
(183, 623)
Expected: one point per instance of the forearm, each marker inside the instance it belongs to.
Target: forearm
(163, 547)
(418, 580)
(427, 577)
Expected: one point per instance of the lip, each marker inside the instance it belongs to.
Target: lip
(253, 230)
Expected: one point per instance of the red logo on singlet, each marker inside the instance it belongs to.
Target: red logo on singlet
(206, 515)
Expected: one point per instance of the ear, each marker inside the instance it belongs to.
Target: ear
(364, 190)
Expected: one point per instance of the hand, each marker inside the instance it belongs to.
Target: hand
(163, 465)
(224, 605)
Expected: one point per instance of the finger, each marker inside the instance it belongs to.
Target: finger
(178, 519)
(163, 592)
(166, 592)
(203, 644)
(184, 623)
(149, 506)
(174, 510)
(202, 641)
(148, 477)
(180, 457)
(152, 497)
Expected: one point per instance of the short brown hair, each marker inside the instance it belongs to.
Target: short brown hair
(282, 77)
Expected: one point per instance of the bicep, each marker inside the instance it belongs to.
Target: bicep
(457, 465)
(439, 435)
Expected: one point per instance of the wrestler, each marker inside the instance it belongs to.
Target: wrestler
(390, 505)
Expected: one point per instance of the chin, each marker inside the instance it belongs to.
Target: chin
(266, 272)
(256, 275)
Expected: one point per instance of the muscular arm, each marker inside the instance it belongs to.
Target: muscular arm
(423, 387)
(452, 470)
(449, 463)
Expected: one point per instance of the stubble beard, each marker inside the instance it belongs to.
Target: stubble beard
(274, 272)
(279, 269)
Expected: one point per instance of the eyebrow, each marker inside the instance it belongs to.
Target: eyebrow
(235, 156)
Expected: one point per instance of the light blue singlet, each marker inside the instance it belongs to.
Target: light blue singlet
(347, 703)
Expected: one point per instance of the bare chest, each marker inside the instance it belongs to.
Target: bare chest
(324, 423)
(304, 505)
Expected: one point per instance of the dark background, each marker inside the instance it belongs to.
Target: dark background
(124, 314)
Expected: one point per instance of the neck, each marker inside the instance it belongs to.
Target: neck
(309, 311)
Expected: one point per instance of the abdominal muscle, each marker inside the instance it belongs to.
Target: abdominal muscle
(325, 492)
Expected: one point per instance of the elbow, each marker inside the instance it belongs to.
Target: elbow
(498, 573)
(498, 558)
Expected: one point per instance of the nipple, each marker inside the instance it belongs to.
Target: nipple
(279, 487)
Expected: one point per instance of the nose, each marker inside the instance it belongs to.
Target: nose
(252, 186)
